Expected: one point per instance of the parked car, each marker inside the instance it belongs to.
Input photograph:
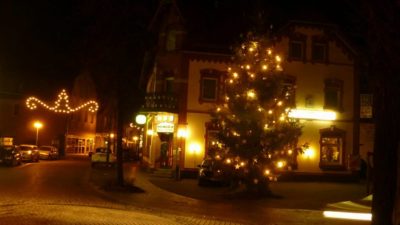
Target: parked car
(29, 152)
(10, 156)
(48, 152)
(213, 171)
(99, 157)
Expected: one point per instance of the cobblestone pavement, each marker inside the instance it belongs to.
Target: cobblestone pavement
(59, 192)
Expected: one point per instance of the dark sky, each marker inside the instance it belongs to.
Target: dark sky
(46, 43)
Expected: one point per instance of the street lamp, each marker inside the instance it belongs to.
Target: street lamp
(37, 125)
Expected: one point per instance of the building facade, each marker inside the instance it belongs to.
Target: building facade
(183, 86)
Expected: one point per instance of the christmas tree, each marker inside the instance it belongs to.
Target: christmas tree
(255, 134)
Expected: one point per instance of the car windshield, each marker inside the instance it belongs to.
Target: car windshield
(45, 148)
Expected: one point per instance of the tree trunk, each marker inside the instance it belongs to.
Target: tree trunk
(120, 168)
(383, 32)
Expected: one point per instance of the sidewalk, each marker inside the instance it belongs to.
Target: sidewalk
(187, 203)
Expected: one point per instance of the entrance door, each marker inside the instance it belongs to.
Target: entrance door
(165, 150)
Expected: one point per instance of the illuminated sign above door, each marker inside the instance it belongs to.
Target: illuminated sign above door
(165, 127)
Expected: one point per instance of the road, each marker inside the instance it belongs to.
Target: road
(59, 192)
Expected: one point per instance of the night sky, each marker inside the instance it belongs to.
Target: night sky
(45, 44)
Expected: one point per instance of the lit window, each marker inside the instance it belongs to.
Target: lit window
(333, 94)
(332, 148)
(366, 106)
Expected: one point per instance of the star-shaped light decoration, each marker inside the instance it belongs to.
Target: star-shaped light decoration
(61, 105)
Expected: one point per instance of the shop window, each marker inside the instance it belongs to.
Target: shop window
(209, 86)
(332, 150)
(213, 146)
(333, 94)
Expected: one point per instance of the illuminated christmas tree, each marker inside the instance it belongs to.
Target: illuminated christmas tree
(257, 135)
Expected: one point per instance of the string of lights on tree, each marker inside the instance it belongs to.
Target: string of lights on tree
(253, 122)
(61, 105)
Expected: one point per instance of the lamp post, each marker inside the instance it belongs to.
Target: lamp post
(37, 125)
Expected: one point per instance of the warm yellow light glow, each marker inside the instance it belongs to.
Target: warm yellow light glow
(61, 105)
(280, 164)
(279, 103)
(228, 161)
(135, 138)
(267, 172)
(289, 152)
(309, 153)
(269, 51)
(270, 111)
(312, 114)
(37, 124)
(242, 163)
(251, 94)
(264, 67)
(165, 118)
(348, 215)
(235, 75)
(247, 66)
(194, 148)
(140, 119)
(150, 132)
(112, 135)
(182, 132)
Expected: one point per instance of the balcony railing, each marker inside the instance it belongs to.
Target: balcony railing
(160, 102)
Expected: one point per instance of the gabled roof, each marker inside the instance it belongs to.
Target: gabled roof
(331, 30)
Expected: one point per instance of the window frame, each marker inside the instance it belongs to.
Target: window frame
(320, 41)
(340, 135)
(301, 39)
(288, 81)
(210, 75)
(337, 86)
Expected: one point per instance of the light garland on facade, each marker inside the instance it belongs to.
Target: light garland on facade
(62, 104)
